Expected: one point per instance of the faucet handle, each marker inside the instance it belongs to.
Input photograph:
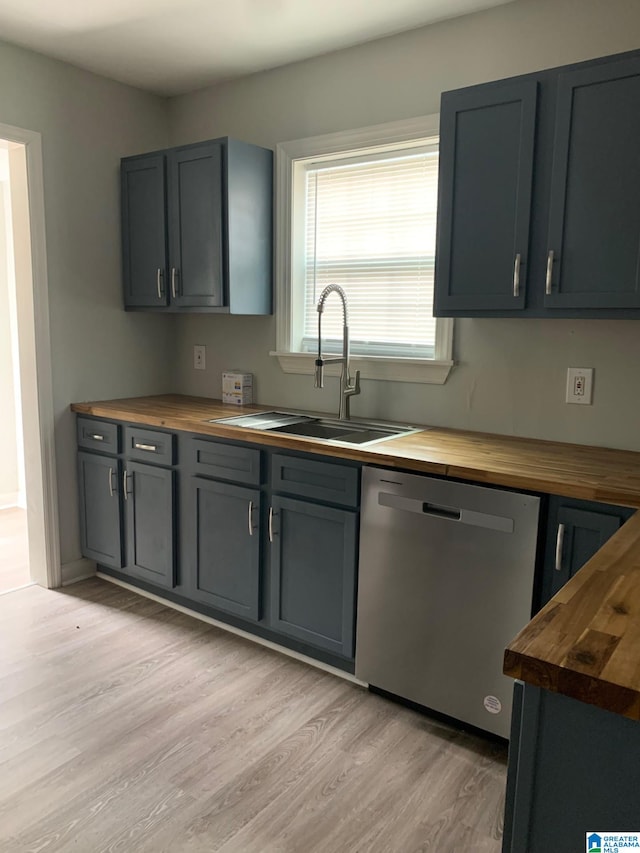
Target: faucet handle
(352, 390)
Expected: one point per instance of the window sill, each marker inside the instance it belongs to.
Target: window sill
(423, 371)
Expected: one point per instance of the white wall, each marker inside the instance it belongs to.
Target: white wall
(9, 468)
(510, 376)
(98, 351)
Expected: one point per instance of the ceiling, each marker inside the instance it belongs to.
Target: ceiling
(175, 46)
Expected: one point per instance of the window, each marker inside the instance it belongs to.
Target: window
(359, 210)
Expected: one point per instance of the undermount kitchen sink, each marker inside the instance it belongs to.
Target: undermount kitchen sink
(325, 429)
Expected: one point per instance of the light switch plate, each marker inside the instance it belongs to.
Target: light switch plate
(580, 385)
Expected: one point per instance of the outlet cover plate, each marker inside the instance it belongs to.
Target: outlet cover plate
(580, 385)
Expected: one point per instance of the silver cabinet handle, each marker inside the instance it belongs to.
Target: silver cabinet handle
(271, 514)
(159, 282)
(547, 288)
(173, 282)
(124, 483)
(559, 544)
(250, 518)
(516, 275)
(110, 482)
(151, 447)
(97, 437)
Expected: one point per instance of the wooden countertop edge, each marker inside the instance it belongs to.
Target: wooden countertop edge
(585, 643)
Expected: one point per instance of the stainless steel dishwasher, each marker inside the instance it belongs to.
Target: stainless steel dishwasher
(445, 582)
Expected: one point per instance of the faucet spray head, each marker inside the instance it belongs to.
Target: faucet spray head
(319, 377)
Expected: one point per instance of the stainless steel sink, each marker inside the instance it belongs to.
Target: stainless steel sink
(324, 429)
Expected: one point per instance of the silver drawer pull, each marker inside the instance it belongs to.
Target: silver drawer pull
(547, 288)
(516, 275)
(150, 447)
(559, 544)
(250, 518)
(110, 482)
(97, 437)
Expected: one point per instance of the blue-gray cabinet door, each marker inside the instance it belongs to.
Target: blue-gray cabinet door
(100, 509)
(313, 573)
(594, 224)
(226, 547)
(144, 232)
(575, 531)
(484, 197)
(150, 508)
(195, 225)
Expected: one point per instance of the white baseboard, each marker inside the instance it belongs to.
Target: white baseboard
(8, 500)
(347, 676)
(78, 570)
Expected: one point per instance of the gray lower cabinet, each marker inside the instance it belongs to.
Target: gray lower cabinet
(575, 531)
(226, 542)
(573, 770)
(149, 499)
(313, 573)
(99, 479)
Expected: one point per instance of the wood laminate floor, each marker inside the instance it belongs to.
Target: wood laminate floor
(14, 549)
(127, 726)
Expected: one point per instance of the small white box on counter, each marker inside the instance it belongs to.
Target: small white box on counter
(237, 387)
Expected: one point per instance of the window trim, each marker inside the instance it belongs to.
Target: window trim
(429, 371)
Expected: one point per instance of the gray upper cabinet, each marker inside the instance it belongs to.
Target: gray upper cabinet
(195, 225)
(539, 181)
(197, 229)
(144, 242)
(594, 222)
(486, 169)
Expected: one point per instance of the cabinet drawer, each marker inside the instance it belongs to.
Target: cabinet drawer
(226, 461)
(308, 478)
(149, 445)
(98, 435)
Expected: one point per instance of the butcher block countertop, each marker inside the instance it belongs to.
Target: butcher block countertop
(585, 643)
(571, 470)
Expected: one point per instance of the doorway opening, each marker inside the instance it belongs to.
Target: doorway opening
(29, 546)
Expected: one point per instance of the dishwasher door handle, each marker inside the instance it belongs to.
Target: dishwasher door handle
(448, 513)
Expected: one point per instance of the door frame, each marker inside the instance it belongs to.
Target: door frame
(36, 381)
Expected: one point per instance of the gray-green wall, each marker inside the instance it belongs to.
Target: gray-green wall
(511, 374)
(87, 123)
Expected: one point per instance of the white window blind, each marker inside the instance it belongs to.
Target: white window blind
(370, 227)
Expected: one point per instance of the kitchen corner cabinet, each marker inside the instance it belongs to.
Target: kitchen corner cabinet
(539, 181)
(575, 531)
(197, 229)
(573, 768)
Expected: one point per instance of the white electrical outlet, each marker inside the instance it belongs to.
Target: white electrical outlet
(199, 356)
(580, 385)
